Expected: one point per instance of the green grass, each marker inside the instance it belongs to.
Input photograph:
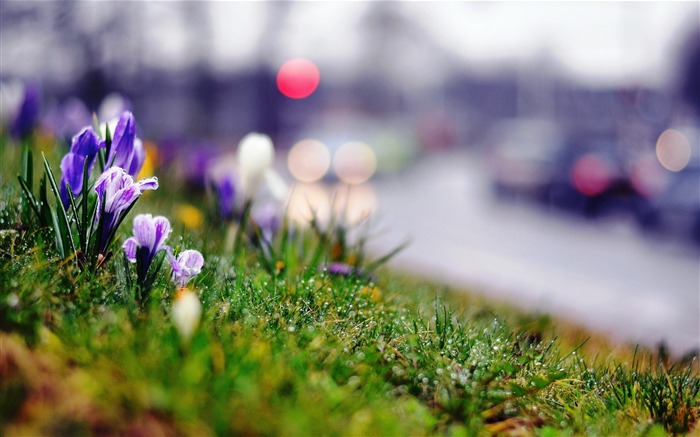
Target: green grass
(296, 351)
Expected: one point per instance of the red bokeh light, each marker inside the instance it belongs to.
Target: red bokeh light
(591, 175)
(298, 78)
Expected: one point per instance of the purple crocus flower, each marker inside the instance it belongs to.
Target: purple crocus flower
(126, 151)
(84, 147)
(226, 194)
(149, 237)
(343, 269)
(28, 113)
(116, 192)
(186, 266)
(340, 269)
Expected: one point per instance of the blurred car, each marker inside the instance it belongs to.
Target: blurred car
(593, 178)
(520, 155)
(676, 210)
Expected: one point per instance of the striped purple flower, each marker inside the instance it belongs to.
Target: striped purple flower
(116, 193)
(149, 237)
(126, 150)
(187, 265)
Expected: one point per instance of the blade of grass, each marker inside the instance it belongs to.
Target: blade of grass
(378, 262)
(85, 199)
(74, 207)
(28, 166)
(62, 218)
(29, 196)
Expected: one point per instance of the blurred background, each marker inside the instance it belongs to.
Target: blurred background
(543, 153)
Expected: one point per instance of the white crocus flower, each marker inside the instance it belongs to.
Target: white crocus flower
(255, 156)
(186, 313)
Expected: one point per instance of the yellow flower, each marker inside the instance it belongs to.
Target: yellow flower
(190, 216)
(373, 293)
(151, 161)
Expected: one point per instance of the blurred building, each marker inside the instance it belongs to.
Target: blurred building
(190, 72)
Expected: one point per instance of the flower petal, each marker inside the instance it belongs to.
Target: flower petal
(85, 143)
(145, 231)
(148, 184)
(122, 148)
(191, 259)
(130, 247)
(122, 199)
(71, 174)
(255, 156)
(226, 193)
(162, 231)
(186, 266)
(186, 313)
(138, 158)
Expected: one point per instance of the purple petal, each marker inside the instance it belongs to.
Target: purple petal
(145, 231)
(162, 231)
(187, 265)
(85, 143)
(226, 192)
(122, 199)
(340, 269)
(138, 158)
(191, 259)
(71, 174)
(171, 259)
(28, 114)
(130, 247)
(122, 147)
(111, 181)
(148, 184)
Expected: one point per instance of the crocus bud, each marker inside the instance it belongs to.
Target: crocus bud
(186, 266)
(186, 313)
(27, 116)
(255, 156)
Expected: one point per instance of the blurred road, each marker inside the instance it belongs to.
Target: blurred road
(603, 275)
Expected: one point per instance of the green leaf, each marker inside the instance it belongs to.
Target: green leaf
(57, 233)
(75, 213)
(109, 156)
(242, 227)
(44, 206)
(28, 166)
(67, 235)
(85, 197)
(29, 196)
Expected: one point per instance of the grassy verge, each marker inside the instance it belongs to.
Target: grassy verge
(298, 350)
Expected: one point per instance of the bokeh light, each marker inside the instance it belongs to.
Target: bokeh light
(673, 150)
(648, 177)
(591, 175)
(309, 160)
(354, 162)
(355, 203)
(298, 78)
(308, 201)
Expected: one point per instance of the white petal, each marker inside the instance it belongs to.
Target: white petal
(187, 310)
(255, 156)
